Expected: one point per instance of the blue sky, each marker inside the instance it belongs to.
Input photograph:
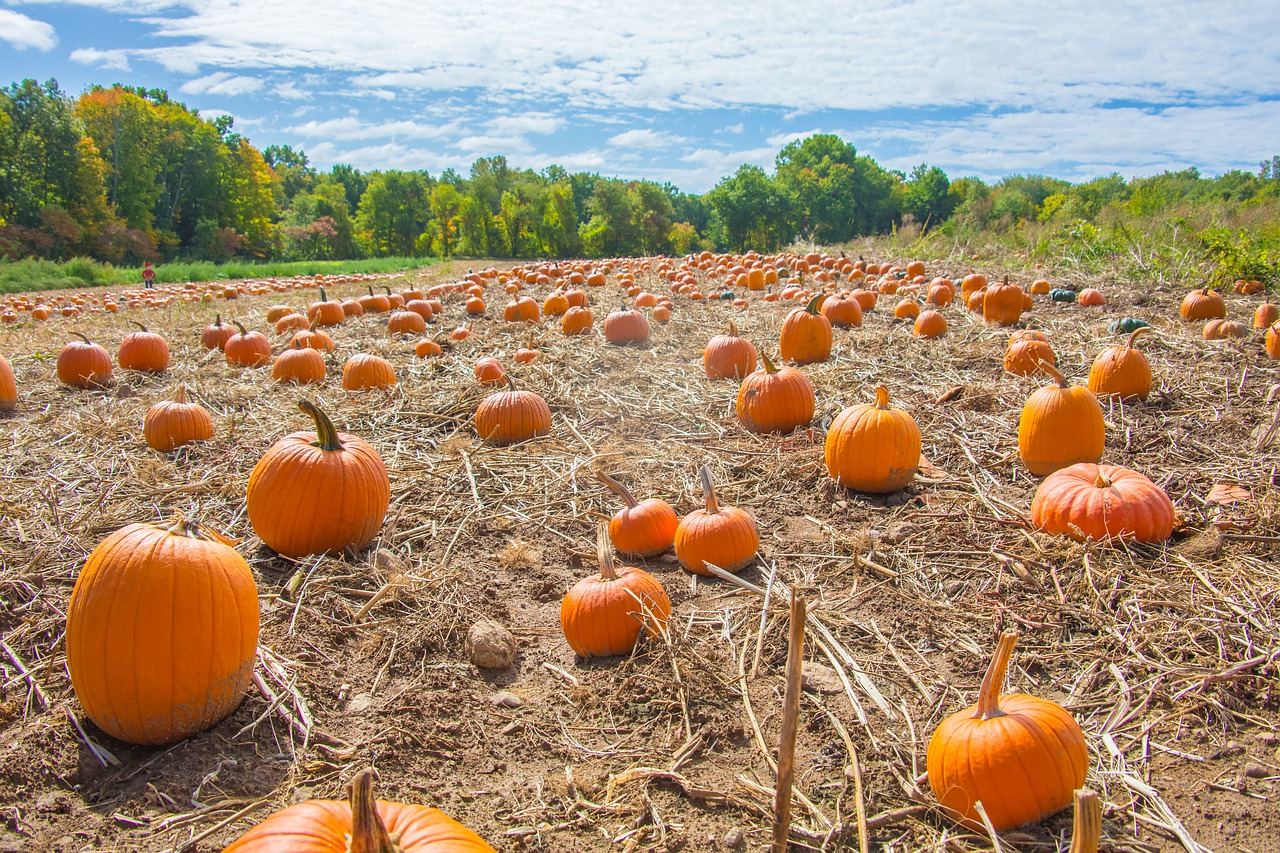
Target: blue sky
(685, 90)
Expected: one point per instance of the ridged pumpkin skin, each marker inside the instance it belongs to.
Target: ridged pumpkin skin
(363, 825)
(318, 492)
(511, 416)
(1203, 304)
(1088, 501)
(806, 335)
(729, 356)
(161, 632)
(1060, 426)
(8, 387)
(300, 365)
(1021, 756)
(216, 334)
(724, 536)
(363, 372)
(1023, 356)
(641, 528)
(604, 614)
(873, 447)
(169, 424)
(625, 326)
(143, 350)
(930, 324)
(843, 311)
(1002, 303)
(775, 399)
(84, 364)
(247, 349)
(326, 312)
(1122, 371)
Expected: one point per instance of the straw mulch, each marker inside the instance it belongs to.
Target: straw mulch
(1167, 655)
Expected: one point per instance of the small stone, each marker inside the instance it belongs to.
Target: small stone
(506, 699)
(820, 678)
(734, 839)
(389, 562)
(1256, 771)
(360, 702)
(490, 646)
(1269, 738)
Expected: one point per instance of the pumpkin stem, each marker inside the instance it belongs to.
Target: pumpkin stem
(180, 395)
(82, 336)
(369, 287)
(368, 832)
(1054, 373)
(1102, 481)
(1086, 825)
(769, 366)
(617, 488)
(882, 397)
(989, 696)
(388, 290)
(311, 327)
(733, 329)
(816, 301)
(240, 326)
(139, 325)
(708, 490)
(217, 320)
(326, 434)
(1141, 330)
(323, 298)
(604, 551)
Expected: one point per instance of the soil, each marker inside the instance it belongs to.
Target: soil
(1166, 655)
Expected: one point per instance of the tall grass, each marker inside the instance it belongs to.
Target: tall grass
(79, 273)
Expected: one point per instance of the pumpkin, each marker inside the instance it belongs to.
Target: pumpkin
(775, 399)
(873, 447)
(642, 528)
(555, 304)
(806, 334)
(1027, 335)
(144, 351)
(360, 825)
(578, 320)
(352, 308)
(292, 323)
(1089, 501)
(84, 364)
(364, 371)
(1063, 294)
(1090, 297)
(1266, 315)
(906, 309)
(1020, 755)
(1126, 325)
(8, 387)
(299, 364)
(1272, 341)
(1202, 304)
(1249, 287)
(394, 300)
(605, 613)
(169, 424)
(930, 324)
(215, 334)
(1002, 303)
(162, 628)
(940, 293)
(521, 310)
(728, 355)
(625, 326)
(374, 302)
(1060, 425)
(1219, 330)
(971, 284)
(1023, 356)
(402, 322)
(528, 353)
(490, 371)
(275, 312)
(421, 307)
(312, 337)
(1122, 371)
(326, 312)
(724, 536)
(318, 492)
(842, 311)
(247, 349)
(426, 348)
(1040, 286)
(512, 416)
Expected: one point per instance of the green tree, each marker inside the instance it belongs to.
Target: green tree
(446, 204)
(751, 209)
(927, 195)
(394, 211)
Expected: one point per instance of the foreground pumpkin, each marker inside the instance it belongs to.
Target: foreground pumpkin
(318, 492)
(1060, 425)
(604, 614)
(1088, 501)
(806, 334)
(723, 536)
(625, 326)
(641, 528)
(511, 416)
(161, 632)
(360, 825)
(1002, 303)
(299, 364)
(143, 350)
(728, 355)
(774, 399)
(84, 364)
(873, 447)
(8, 387)
(169, 424)
(1122, 371)
(1021, 756)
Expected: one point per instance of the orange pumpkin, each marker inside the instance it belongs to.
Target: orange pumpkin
(873, 447)
(8, 387)
(1021, 756)
(641, 528)
(1203, 304)
(604, 614)
(299, 364)
(1023, 356)
(171, 424)
(215, 334)
(625, 326)
(403, 322)
(1122, 371)
(247, 349)
(162, 629)
(1060, 425)
(489, 371)
(1002, 303)
(426, 348)
(1266, 315)
(84, 364)
(144, 351)
(806, 334)
(1089, 501)
(326, 312)
(1272, 341)
(1090, 297)
(365, 371)
(578, 320)
(1220, 330)
(318, 492)
(930, 324)
(728, 355)
(775, 400)
(512, 416)
(842, 311)
(723, 536)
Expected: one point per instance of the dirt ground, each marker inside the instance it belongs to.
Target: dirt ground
(1167, 656)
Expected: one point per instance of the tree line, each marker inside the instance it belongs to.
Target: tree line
(124, 174)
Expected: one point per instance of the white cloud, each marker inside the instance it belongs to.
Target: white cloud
(487, 146)
(536, 122)
(22, 32)
(644, 138)
(117, 60)
(352, 128)
(221, 83)
(289, 91)
(733, 128)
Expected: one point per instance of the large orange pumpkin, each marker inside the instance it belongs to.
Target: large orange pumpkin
(360, 825)
(642, 528)
(1203, 304)
(1060, 425)
(84, 364)
(605, 613)
(806, 334)
(318, 492)
(1089, 501)
(326, 312)
(1122, 371)
(365, 371)
(299, 364)
(1020, 755)
(169, 424)
(1002, 303)
(8, 387)
(774, 399)
(873, 447)
(511, 416)
(161, 631)
(143, 350)
(247, 349)
(216, 334)
(723, 536)
(728, 355)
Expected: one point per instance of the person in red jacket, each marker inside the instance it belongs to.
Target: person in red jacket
(148, 275)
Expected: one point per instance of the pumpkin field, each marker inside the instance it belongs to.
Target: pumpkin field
(909, 444)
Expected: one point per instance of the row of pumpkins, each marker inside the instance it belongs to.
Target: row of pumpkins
(599, 615)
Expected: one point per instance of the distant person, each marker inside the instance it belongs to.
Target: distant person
(148, 276)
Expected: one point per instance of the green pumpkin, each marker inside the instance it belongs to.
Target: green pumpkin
(1127, 326)
(728, 294)
(1061, 294)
